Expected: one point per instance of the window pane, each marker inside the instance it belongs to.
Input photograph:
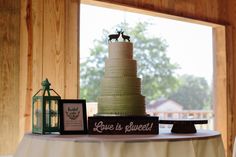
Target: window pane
(174, 60)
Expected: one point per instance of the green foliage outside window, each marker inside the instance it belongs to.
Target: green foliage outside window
(158, 74)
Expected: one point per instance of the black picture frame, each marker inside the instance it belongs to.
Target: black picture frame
(73, 116)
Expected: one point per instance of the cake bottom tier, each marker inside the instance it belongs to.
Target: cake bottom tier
(121, 105)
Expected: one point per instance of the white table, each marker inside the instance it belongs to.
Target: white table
(202, 144)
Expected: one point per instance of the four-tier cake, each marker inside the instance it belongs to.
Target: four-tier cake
(120, 87)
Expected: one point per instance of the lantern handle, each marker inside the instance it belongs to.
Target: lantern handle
(55, 92)
(37, 92)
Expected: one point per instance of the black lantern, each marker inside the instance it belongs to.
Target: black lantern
(45, 110)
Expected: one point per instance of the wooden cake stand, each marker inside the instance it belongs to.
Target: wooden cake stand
(183, 125)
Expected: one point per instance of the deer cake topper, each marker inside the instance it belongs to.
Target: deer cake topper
(116, 36)
(125, 37)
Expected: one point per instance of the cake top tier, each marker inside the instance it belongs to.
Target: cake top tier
(122, 50)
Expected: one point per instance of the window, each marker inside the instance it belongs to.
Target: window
(186, 50)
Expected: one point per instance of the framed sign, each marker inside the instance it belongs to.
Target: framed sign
(73, 118)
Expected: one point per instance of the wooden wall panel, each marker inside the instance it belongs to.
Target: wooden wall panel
(54, 43)
(230, 16)
(9, 75)
(200, 10)
(220, 82)
(48, 49)
(30, 59)
(37, 46)
(23, 65)
(71, 47)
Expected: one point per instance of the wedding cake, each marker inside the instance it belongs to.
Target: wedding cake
(120, 87)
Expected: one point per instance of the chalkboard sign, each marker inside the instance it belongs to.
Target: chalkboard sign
(123, 125)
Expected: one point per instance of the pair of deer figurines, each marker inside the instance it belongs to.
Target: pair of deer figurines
(116, 36)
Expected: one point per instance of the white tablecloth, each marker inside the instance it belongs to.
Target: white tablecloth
(166, 144)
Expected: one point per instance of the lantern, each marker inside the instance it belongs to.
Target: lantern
(45, 110)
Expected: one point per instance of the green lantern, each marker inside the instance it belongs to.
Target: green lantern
(45, 110)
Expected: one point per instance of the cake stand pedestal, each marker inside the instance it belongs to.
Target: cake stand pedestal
(183, 126)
